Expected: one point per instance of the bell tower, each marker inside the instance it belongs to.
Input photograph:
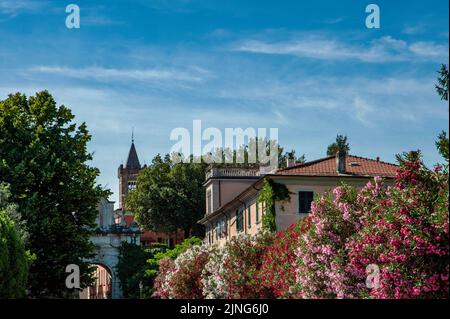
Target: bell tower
(128, 174)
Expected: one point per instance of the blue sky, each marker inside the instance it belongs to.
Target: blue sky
(310, 68)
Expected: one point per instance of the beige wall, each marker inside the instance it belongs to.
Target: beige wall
(288, 212)
(224, 190)
(250, 226)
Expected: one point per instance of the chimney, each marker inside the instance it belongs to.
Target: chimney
(290, 160)
(340, 162)
(378, 158)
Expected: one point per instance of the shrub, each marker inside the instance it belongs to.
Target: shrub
(161, 282)
(181, 279)
(233, 271)
(401, 229)
(162, 266)
(214, 285)
(279, 260)
(322, 255)
(407, 237)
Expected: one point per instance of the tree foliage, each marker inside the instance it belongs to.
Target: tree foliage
(131, 268)
(14, 259)
(43, 156)
(442, 89)
(341, 144)
(443, 82)
(169, 196)
(270, 193)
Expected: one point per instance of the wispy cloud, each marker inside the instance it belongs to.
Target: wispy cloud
(414, 29)
(370, 102)
(98, 20)
(111, 74)
(334, 20)
(14, 7)
(382, 50)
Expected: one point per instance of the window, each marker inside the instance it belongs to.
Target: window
(304, 202)
(239, 221)
(249, 217)
(131, 185)
(257, 212)
(208, 202)
(222, 227)
(217, 231)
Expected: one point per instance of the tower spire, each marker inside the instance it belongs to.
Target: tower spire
(132, 135)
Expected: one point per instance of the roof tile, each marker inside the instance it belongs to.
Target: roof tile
(355, 166)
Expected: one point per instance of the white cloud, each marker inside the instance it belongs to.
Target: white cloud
(382, 50)
(99, 20)
(430, 50)
(14, 7)
(194, 74)
(362, 110)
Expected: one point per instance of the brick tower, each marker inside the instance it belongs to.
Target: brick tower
(128, 174)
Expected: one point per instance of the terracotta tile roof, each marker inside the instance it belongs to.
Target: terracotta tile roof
(354, 166)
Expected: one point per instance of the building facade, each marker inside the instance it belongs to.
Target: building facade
(232, 206)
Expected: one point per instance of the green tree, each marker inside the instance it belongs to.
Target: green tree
(131, 268)
(43, 156)
(248, 155)
(341, 144)
(442, 89)
(443, 82)
(14, 259)
(169, 196)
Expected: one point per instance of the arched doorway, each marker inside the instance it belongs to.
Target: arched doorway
(102, 286)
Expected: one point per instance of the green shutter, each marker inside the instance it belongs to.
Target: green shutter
(304, 202)
(257, 212)
(249, 217)
(239, 220)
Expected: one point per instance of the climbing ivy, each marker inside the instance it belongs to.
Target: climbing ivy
(269, 194)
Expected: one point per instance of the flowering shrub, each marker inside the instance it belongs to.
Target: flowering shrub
(242, 264)
(161, 282)
(181, 279)
(402, 229)
(279, 260)
(407, 237)
(322, 254)
(213, 276)
(233, 271)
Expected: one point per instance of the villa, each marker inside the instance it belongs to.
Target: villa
(232, 207)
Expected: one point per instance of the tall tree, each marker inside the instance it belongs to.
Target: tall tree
(442, 88)
(169, 196)
(443, 82)
(43, 156)
(14, 259)
(248, 154)
(341, 144)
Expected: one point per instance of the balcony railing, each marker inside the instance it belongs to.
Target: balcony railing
(232, 172)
